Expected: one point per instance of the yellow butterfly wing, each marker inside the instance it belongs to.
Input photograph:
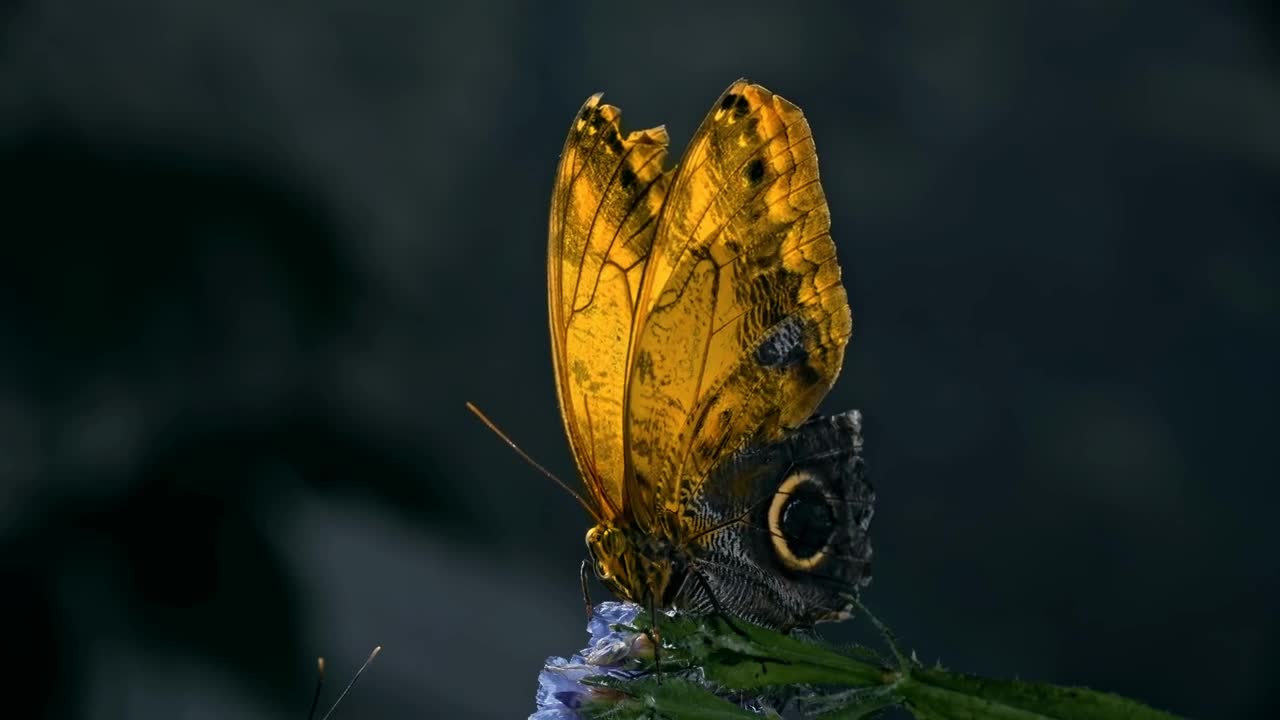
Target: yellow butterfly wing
(608, 193)
(742, 320)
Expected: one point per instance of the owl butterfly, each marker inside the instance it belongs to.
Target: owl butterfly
(697, 319)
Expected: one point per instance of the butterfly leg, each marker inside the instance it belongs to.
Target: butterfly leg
(715, 604)
(655, 636)
(586, 595)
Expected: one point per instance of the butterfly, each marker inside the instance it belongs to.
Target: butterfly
(697, 319)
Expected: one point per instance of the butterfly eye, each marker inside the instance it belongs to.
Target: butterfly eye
(598, 540)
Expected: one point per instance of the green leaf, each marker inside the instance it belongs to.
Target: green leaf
(842, 684)
(943, 694)
(746, 657)
(857, 705)
(669, 697)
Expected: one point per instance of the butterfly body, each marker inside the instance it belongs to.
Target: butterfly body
(697, 319)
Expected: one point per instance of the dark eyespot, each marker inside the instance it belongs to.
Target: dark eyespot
(755, 171)
(807, 521)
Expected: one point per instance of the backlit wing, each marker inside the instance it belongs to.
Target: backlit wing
(608, 192)
(742, 320)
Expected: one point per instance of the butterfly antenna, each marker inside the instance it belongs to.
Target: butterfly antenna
(489, 424)
(333, 707)
(315, 698)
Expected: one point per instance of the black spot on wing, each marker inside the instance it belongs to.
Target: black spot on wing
(613, 141)
(784, 346)
(627, 178)
(755, 171)
(807, 374)
(736, 104)
(644, 367)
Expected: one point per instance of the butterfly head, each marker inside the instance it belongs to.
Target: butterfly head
(635, 566)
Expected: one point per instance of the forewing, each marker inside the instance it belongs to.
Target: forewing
(608, 192)
(742, 320)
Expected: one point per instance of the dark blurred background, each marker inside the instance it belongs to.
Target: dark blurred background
(255, 257)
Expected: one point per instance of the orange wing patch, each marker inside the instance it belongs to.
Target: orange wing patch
(608, 193)
(741, 320)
